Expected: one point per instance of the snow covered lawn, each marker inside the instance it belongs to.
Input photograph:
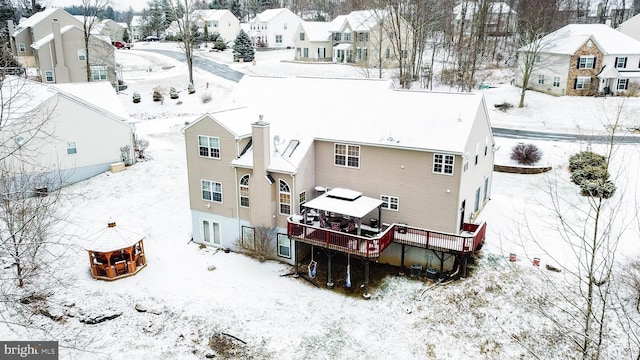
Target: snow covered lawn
(190, 300)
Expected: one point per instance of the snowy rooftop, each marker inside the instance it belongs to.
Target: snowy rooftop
(355, 110)
(112, 238)
(568, 39)
(316, 30)
(344, 201)
(214, 14)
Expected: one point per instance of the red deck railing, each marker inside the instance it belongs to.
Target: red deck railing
(371, 247)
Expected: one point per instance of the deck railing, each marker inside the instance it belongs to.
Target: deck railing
(371, 247)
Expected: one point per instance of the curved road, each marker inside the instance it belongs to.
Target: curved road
(203, 63)
(225, 72)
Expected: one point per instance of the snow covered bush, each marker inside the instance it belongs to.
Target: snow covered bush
(526, 154)
(191, 89)
(173, 93)
(157, 94)
(589, 171)
(141, 147)
(136, 97)
(206, 97)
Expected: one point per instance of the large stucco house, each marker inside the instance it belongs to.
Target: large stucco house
(63, 133)
(274, 28)
(359, 37)
(583, 59)
(400, 180)
(51, 43)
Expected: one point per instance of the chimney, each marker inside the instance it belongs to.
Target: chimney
(12, 41)
(263, 205)
(57, 42)
(60, 69)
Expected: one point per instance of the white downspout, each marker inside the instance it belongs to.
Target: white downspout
(53, 66)
(237, 206)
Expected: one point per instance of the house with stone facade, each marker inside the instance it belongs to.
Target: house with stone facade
(584, 59)
(402, 180)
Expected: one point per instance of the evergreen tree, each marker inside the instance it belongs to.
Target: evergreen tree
(169, 14)
(243, 48)
(155, 18)
(234, 7)
(7, 12)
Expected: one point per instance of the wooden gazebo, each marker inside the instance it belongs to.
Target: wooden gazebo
(116, 252)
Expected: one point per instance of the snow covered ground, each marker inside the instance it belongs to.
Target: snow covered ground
(196, 297)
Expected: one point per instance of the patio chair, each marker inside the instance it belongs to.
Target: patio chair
(335, 226)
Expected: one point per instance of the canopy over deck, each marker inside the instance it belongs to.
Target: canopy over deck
(344, 201)
(114, 238)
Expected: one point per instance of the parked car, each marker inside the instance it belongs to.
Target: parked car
(121, 45)
(151, 38)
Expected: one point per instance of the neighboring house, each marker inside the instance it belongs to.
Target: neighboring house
(222, 22)
(609, 12)
(631, 27)
(111, 29)
(172, 30)
(584, 59)
(500, 18)
(68, 132)
(52, 43)
(274, 28)
(137, 28)
(421, 159)
(358, 37)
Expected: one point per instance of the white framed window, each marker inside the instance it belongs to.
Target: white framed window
(278, 39)
(284, 198)
(537, 59)
(583, 82)
(210, 232)
(477, 151)
(284, 246)
(99, 73)
(302, 198)
(346, 155)
(405, 54)
(486, 145)
(476, 204)
(22, 47)
(365, 53)
(72, 148)
(81, 55)
(623, 84)
(285, 26)
(347, 36)
(556, 81)
(337, 36)
(48, 76)
(209, 146)
(301, 36)
(541, 79)
(387, 53)
(443, 164)
(211, 190)
(244, 191)
(586, 62)
(390, 202)
(621, 62)
(306, 52)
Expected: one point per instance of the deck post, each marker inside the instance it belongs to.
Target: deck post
(464, 267)
(329, 278)
(366, 294)
(402, 261)
(296, 261)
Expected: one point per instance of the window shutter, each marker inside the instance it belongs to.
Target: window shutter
(626, 85)
(578, 64)
(625, 63)
(595, 61)
(575, 83)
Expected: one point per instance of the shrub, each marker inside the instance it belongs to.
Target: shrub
(157, 94)
(206, 97)
(589, 171)
(173, 93)
(136, 97)
(191, 89)
(585, 159)
(220, 44)
(526, 154)
(140, 148)
(169, 37)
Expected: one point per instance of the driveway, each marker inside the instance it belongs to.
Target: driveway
(555, 136)
(202, 63)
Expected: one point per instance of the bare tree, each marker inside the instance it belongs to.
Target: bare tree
(91, 9)
(182, 10)
(589, 228)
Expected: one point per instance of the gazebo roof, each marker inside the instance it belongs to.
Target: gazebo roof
(344, 201)
(113, 238)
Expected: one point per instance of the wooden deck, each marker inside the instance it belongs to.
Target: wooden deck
(464, 243)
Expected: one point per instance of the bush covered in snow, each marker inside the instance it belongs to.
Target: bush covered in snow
(526, 154)
(590, 171)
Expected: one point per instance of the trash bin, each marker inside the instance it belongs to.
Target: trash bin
(431, 273)
(416, 270)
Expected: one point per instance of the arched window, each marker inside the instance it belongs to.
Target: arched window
(285, 198)
(244, 191)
